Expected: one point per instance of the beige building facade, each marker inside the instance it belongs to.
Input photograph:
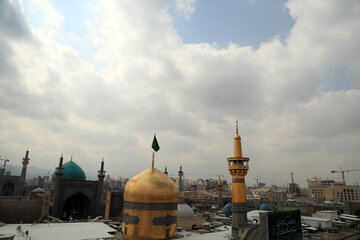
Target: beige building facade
(342, 193)
(317, 191)
(336, 192)
(277, 195)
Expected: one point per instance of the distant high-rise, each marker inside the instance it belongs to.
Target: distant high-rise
(238, 167)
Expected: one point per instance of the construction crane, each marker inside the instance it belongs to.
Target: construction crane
(258, 179)
(342, 171)
(2, 170)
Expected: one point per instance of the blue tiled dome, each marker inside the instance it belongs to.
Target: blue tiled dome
(38, 190)
(265, 207)
(72, 171)
(227, 209)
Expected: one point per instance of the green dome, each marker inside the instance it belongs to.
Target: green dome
(72, 171)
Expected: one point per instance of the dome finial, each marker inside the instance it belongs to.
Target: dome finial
(237, 128)
(71, 157)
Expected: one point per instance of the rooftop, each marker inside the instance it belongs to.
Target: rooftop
(57, 231)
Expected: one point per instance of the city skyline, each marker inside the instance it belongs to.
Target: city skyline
(98, 79)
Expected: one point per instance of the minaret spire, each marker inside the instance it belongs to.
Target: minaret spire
(25, 162)
(181, 174)
(59, 172)
(100, 188)
(61, 161)
(219, 188)
(237, 143)
(237, 128)
(238, 168)
(101, 172)
(102, 165)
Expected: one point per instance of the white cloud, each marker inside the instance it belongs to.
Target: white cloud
(147, 80)
(51, 20)
(186, 7)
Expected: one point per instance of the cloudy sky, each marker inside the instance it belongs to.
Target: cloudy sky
(99, 78)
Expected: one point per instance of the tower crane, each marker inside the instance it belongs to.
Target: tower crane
(342, 171)
(258, 179)
(2, 170)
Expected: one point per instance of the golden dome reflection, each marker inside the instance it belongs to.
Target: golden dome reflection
(151, 185)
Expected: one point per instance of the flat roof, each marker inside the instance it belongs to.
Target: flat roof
(348, 215)
(206, 236)
(60, 231)
(315, 219)
(350, 218)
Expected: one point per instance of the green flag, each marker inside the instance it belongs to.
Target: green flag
(155, 144)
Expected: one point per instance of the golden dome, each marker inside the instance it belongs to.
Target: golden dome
(151, 185)
(150, 207)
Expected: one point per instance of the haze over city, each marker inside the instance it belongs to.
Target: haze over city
(98, 78)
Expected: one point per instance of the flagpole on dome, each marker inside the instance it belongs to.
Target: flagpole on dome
(156, 147)
(153, 159)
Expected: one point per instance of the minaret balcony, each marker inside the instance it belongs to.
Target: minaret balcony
(238, 161)
(59, 171)
(238, 171)
(101, 173)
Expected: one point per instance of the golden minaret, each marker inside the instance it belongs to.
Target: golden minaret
(238, 167)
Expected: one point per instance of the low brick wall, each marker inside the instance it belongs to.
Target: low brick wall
(16, 210)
